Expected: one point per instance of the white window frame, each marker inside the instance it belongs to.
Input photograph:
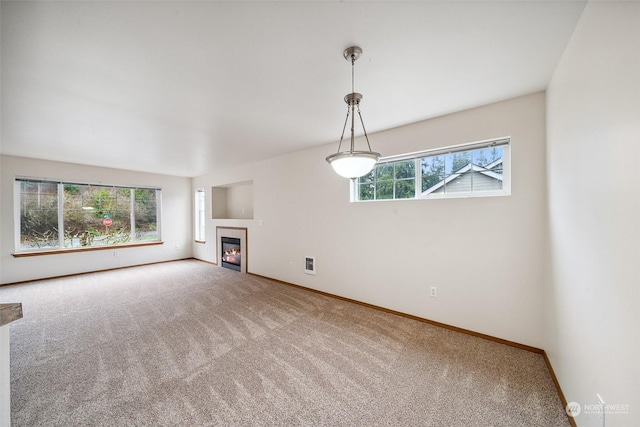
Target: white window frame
(61, 242)
(503, 142)
(199, 222)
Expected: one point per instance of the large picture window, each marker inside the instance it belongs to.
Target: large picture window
(62, 215)
(469, 170)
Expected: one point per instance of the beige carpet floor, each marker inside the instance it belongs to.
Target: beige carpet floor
(190, 344)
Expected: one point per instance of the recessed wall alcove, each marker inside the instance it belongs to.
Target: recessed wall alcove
(237, 233)
(232, 201)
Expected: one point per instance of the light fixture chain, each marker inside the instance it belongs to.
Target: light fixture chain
(343, 129)
(363, 128)
(353, 126)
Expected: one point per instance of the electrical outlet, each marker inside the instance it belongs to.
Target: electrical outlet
(116, 253)
(434, 292)
(291, 265)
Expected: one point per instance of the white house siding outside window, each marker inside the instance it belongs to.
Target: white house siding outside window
(477, 169)
(64, 215)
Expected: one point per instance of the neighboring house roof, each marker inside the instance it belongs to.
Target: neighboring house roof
(484, 170)
(494, 163)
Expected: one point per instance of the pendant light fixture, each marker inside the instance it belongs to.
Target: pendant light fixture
(353, 164)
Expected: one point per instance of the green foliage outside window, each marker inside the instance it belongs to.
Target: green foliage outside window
(38, 214)
(465, 171)
(146, 214)
(91, 215)
(389, 181)
(432, 171)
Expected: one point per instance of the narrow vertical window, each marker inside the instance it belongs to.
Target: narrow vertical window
(199, 231)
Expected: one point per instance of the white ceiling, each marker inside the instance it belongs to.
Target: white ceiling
(182, 88)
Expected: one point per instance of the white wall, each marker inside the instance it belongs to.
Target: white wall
(484, 254)
(176, 221)
(592, 311)
(240, 201)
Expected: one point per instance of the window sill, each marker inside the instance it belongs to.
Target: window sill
(464, 195)
(200, 241)
(460, 195)
(89, 249)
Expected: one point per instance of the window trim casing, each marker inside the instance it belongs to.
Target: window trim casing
(505, 142)
(18, 252)
(49, 251)
(199, 221)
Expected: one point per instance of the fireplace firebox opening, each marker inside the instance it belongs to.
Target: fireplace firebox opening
(231, 255)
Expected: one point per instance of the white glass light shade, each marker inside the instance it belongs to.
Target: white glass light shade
(353, 164)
